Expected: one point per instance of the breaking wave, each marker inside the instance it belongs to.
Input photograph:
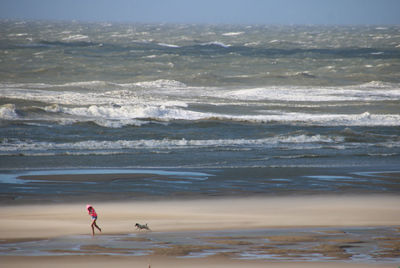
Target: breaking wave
(11, 145)
(216, 44)
(8, 112)
(116, 105)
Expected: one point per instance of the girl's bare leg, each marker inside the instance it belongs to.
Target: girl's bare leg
(94, 225)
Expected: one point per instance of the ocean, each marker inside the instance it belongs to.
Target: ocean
(232, 99)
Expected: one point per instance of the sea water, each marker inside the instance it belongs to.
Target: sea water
(90, 95)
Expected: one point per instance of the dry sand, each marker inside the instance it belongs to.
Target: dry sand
(52, 220)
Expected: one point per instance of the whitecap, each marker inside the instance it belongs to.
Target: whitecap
(161, 83)
(252, 44)
(121, 35)
(233, 33)
(55, 108)
(216, 43)
(168, 45)
(157, 112)
(376, 84)
(8, 112)
(15, 145)
(364, 119)
(95, 84)
(118, 123)
(372, 91)
(60, 97)
(18, 34)
(76, 37)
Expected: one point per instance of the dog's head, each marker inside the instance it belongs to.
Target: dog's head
(137, 224)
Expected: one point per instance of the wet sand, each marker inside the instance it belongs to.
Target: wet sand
(166, 262)
(66, 217)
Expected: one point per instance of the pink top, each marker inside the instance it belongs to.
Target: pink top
(91, 211)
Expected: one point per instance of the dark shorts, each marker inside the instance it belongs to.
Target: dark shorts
(94, 217)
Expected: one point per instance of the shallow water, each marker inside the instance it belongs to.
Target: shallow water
(161, 184)
(357, 244)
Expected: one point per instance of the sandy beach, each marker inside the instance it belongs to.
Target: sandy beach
(43, 221)
(165, 262)
(47, 222)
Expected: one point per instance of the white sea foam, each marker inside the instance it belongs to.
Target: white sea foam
(216, 43)
(109, 116)
(118, 123)
(374, 92)
(252, 44)
(233, 33)
(127, 114)
(377, 85)
(115, 105)
(5, 86)
(99, 147)
(141, 111)
(161, 83)
(76, 37)
(7, 112)
(10, 146)
(114, 94)
(378, 53)
(47, 96)
(364, 119)
(88, 84)
(168, 45)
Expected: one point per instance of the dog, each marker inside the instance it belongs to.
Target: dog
(142, 226)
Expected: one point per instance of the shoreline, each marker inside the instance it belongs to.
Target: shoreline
(109, 185)
(287, 230)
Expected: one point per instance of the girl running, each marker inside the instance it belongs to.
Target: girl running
(93, 216)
